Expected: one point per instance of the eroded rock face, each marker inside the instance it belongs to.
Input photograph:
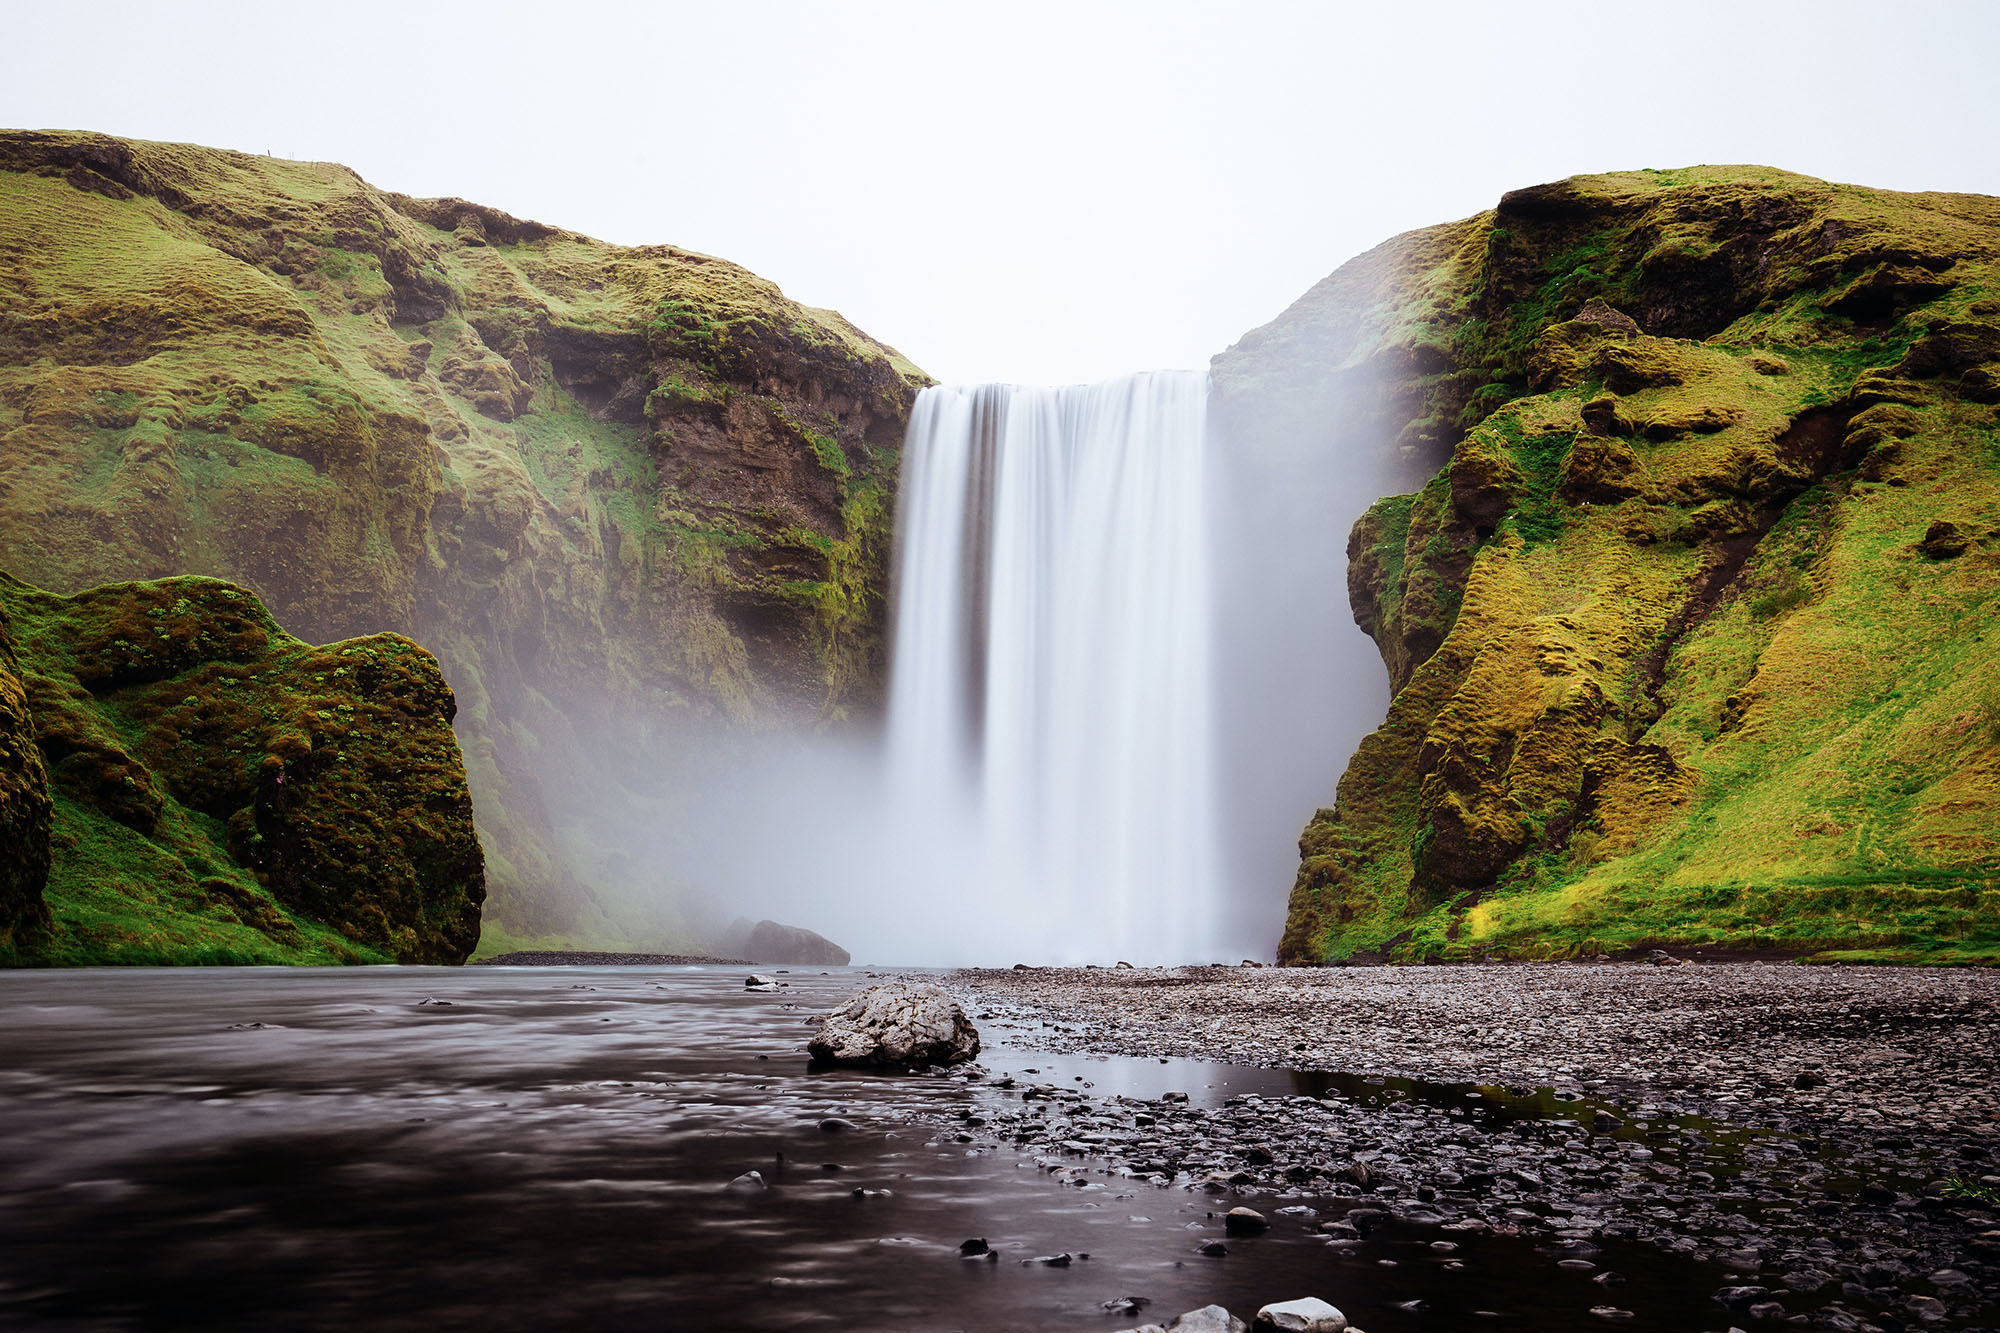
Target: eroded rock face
(1712, 450)
(631, 498)
(25, 808)
(240, 790)
(897, 1025)
(770, 942)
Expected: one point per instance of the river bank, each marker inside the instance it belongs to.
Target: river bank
(1826, 1137)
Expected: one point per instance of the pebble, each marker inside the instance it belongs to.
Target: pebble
(1684, 1122)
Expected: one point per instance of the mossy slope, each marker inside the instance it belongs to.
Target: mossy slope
(627, 495)
(223, 792)
(1695, 634)
(25, 808)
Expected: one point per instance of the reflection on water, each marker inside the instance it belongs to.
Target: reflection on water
(537, 1148)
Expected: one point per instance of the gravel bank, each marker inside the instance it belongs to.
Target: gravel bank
(1758, 1043)
(1828, 1139)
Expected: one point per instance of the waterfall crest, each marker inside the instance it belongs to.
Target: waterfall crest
(1050, 717)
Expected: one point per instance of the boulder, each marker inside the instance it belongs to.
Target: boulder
(1308, 1314)
(897, 1025)
(1208, 1319)
(770, 942)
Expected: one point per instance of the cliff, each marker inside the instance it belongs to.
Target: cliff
(222, 792)
(633, 499)
(1692, 627)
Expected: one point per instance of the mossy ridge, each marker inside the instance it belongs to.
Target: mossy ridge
(546, 455)
(1719, 661)
(225, 793)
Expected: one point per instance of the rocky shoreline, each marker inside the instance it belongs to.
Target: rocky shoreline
(1827, 1139)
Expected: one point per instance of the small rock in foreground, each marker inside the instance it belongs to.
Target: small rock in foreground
(1308, 1314)
(1244, 1222)
(897, 1025)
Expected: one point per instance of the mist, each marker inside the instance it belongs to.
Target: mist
(905, 862)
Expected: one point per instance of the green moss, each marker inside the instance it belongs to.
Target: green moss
(381, 412)
(1703, 683)
(226, 793)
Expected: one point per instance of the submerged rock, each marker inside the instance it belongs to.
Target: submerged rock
(899, 1025)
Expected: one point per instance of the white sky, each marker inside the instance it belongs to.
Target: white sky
(1035, 192)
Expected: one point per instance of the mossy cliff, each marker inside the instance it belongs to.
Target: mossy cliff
(25, 808)
(222, 792)
(1694, 630)
(630, 497)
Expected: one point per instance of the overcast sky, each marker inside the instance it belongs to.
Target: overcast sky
(1020, 191)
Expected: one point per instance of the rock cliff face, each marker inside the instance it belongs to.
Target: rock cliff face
(223, 792)
(628, 496)
(1693, 626)
(25, 809)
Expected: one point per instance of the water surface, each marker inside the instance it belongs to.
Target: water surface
(540, 1148)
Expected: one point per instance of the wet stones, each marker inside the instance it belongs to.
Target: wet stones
(1644, 1108)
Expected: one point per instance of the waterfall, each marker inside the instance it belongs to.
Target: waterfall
(1050, 737)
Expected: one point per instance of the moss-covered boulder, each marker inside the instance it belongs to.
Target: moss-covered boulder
(1693, 629)
(633, 498)
(224, 792)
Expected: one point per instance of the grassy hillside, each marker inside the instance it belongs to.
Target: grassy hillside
(223, 793)
(1695, 633)
(632, 498)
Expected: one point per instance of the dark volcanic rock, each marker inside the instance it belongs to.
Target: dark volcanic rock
(1584, 1107)
(770, 942)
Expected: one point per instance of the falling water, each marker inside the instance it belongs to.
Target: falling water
(1050, 712)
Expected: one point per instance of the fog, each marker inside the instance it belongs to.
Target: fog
(913, 839)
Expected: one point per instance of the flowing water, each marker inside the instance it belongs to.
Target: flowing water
(536, 1148)
(1050, 710)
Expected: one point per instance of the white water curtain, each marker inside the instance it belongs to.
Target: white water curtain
(1050, 731)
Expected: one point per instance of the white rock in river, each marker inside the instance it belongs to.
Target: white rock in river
(1308, 1314)
(1208, 1319)
(899, 1024)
